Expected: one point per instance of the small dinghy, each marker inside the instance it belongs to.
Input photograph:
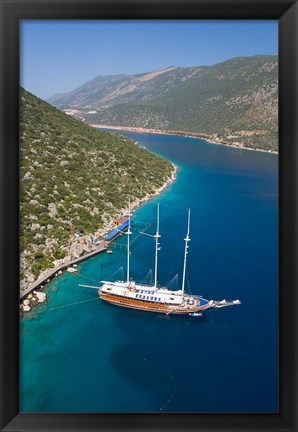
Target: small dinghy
(196, 314)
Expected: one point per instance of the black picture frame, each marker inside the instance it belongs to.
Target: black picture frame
(286, 11)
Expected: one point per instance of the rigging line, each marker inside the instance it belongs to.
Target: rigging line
(142, 223)
(97, 281)
(172, 281)
(188, 287)
(115, 272)
(147, 279)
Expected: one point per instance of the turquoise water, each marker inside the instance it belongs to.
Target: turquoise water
(94, 357)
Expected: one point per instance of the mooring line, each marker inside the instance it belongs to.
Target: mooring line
(73, 304)
(85, 277)
(62, 306)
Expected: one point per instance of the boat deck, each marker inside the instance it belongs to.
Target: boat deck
(152, 299)
(149, 294)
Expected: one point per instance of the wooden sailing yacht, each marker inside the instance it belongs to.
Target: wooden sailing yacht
(153, 298)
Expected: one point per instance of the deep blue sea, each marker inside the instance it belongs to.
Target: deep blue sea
(79, 354)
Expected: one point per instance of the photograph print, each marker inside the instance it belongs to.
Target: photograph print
(149, 216)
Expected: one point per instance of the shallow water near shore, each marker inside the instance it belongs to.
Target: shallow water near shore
(79, 354)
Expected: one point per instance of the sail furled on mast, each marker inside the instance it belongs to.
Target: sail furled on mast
(187, 239)
(157, 244)
(128, 232)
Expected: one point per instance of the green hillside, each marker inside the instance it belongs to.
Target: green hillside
(235, 101)
(74, 178)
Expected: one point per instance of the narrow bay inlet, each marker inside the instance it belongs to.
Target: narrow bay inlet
(149, 217)
(233, 196)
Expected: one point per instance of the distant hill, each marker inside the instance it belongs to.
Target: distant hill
(74, 178)
(234, 101)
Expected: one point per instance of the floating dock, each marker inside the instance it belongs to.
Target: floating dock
(119, 230)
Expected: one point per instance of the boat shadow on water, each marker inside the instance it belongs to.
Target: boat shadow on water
(155, 347)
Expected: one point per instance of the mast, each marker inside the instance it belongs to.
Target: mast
(128, 232)
(156, 247)
(187, 239)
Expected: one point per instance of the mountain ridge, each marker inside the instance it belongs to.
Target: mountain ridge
(235, 101)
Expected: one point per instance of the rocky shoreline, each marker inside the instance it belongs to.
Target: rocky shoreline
(210, 138)
(79, 247)
(33, 299)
